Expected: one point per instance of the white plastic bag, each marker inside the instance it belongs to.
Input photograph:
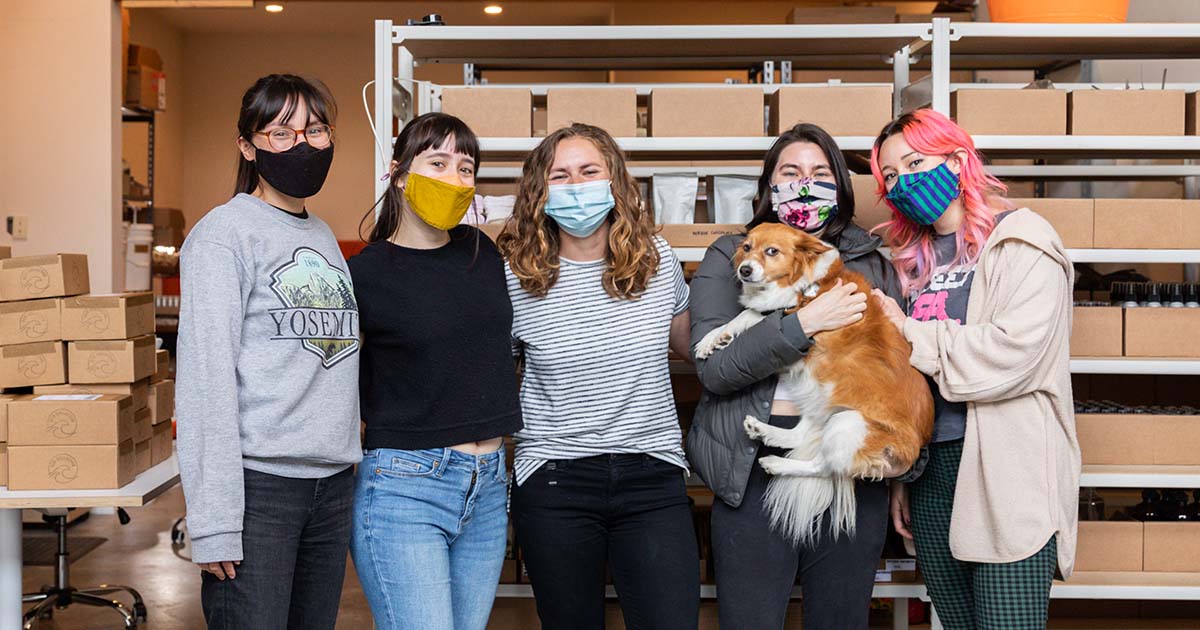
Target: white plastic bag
(731, 198)
(675, 197)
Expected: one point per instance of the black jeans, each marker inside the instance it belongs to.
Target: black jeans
(295, 537)
(629, 511)
(756, 567)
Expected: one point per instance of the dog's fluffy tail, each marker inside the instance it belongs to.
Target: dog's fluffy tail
(796, 505)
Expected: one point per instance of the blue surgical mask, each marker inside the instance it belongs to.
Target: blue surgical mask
(580, 209)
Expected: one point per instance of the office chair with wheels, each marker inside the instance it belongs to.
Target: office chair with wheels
(62, 594)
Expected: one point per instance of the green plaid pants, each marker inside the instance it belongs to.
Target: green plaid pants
(973, 595)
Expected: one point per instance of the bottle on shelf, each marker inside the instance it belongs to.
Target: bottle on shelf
(1154, 295)
(1174, 506)
(1147, 510)
(1091, 505)
(1191, 300)
(1132, 295)
(1176, 293)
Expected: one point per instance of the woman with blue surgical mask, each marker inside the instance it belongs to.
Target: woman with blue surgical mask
(597, 301)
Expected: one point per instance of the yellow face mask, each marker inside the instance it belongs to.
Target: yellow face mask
(437, 203)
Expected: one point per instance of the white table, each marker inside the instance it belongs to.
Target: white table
(148, 486)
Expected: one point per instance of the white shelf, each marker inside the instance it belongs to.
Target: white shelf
(690, 254)
(1120, 172)
(1095, 476)
(1119, 365)
(1134, 255)
(1128, 585)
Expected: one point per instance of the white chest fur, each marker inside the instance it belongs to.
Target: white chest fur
(810, 395)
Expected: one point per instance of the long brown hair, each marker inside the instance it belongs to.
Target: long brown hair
(530, 240)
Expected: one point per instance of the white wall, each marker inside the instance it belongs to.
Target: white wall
(60, 163)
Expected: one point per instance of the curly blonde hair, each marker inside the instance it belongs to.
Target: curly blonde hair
(530, 239)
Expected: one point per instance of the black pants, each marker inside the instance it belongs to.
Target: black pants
(295, 537)
(629, 511)
(756, 567)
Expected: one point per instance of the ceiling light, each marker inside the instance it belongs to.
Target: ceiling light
(493, 9)
(274, 8)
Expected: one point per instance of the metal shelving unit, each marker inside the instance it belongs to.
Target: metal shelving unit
(771, 52)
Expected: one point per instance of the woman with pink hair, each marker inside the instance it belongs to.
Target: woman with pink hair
(989, 288)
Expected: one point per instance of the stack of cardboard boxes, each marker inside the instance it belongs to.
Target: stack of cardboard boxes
(90, 360)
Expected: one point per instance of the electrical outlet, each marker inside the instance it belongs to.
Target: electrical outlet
(18, 227)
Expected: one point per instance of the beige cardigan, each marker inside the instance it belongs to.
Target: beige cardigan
(1018, 482)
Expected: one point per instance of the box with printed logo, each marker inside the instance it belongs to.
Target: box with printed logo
(143, 456)
(162, 443)
(36, 277)
(162, 401)
(1073, 219)
(1097, 331)
(139, 391)
(106, 467)
(124, 361)
(31, 364)
(30, 321)
(162, 365)
(706, 112)
(839, 110)
(492, 112)
(613, 109)
(98, 317)
(70, 420)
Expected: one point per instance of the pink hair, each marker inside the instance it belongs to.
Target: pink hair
(932, 133)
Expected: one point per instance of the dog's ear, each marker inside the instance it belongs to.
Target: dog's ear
(806, 249)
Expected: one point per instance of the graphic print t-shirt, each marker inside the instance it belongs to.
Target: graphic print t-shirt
(945, 297)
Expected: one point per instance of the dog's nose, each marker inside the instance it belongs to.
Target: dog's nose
(745, 271)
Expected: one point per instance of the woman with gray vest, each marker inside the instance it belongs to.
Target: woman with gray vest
(804, 184)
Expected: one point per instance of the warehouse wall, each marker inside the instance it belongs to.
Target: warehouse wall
(149, 30)
(60, 164)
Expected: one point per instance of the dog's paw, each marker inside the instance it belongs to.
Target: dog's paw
(773, 464)
(713, 341)
(754, 427)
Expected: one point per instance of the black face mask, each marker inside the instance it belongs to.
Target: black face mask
(298, 172)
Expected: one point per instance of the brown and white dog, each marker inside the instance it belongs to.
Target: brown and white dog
(863, 408)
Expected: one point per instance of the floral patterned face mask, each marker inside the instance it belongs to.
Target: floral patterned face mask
(805, 204)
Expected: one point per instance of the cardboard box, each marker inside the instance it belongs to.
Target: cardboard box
(163, 443)
(162, 401)
(1073, 219)
(3, 464)
(139, 391)
(168, 227)
(1138, 439)
(1147, 224)
(842, 15)
(142, 456)
(697, 234)
(925, 18)
(870, 210)
(143, 56)
(30, 321)
(1162, 332)
(107, 467)
(145, 88)
(35, 277)
(5, 252)
(492, 112)
(705, 112)
(1109, 546)
(143, 427)
(4, 400)
(1126, 112)
(998, 112)
(124, 361)
(612, 109)
(839, 110)
(97, 317)
(162, 366)
(1097, 331)
(29, 364)
(902, 569)
(70, 420)
(1172, 547)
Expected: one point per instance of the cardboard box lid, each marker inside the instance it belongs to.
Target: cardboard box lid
(31, 349)
(45, 304)
(120, 400)
(38, 261)
(114, 300)
(114, 345)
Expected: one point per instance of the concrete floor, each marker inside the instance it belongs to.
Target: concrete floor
(140, 555)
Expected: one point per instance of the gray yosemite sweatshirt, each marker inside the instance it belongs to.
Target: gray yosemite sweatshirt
(267, 364)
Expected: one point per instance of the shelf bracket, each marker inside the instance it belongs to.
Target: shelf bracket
(785, 71)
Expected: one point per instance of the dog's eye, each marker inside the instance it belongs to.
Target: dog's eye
(746, 247)
(771, 251)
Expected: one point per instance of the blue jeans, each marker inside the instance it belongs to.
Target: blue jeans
(430, 530)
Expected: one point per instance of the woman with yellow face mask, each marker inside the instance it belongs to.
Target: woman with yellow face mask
(438, 391)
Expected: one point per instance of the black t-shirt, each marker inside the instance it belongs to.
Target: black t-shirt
(436, 362)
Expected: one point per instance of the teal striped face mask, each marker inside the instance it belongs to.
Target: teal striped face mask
(923, 197)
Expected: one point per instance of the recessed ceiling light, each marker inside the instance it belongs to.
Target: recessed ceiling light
(493, 9)
(274, 8)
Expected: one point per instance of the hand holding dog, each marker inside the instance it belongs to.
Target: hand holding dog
(841, 306)
(891, 309)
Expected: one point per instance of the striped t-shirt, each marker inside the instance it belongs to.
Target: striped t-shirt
(596, 374)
